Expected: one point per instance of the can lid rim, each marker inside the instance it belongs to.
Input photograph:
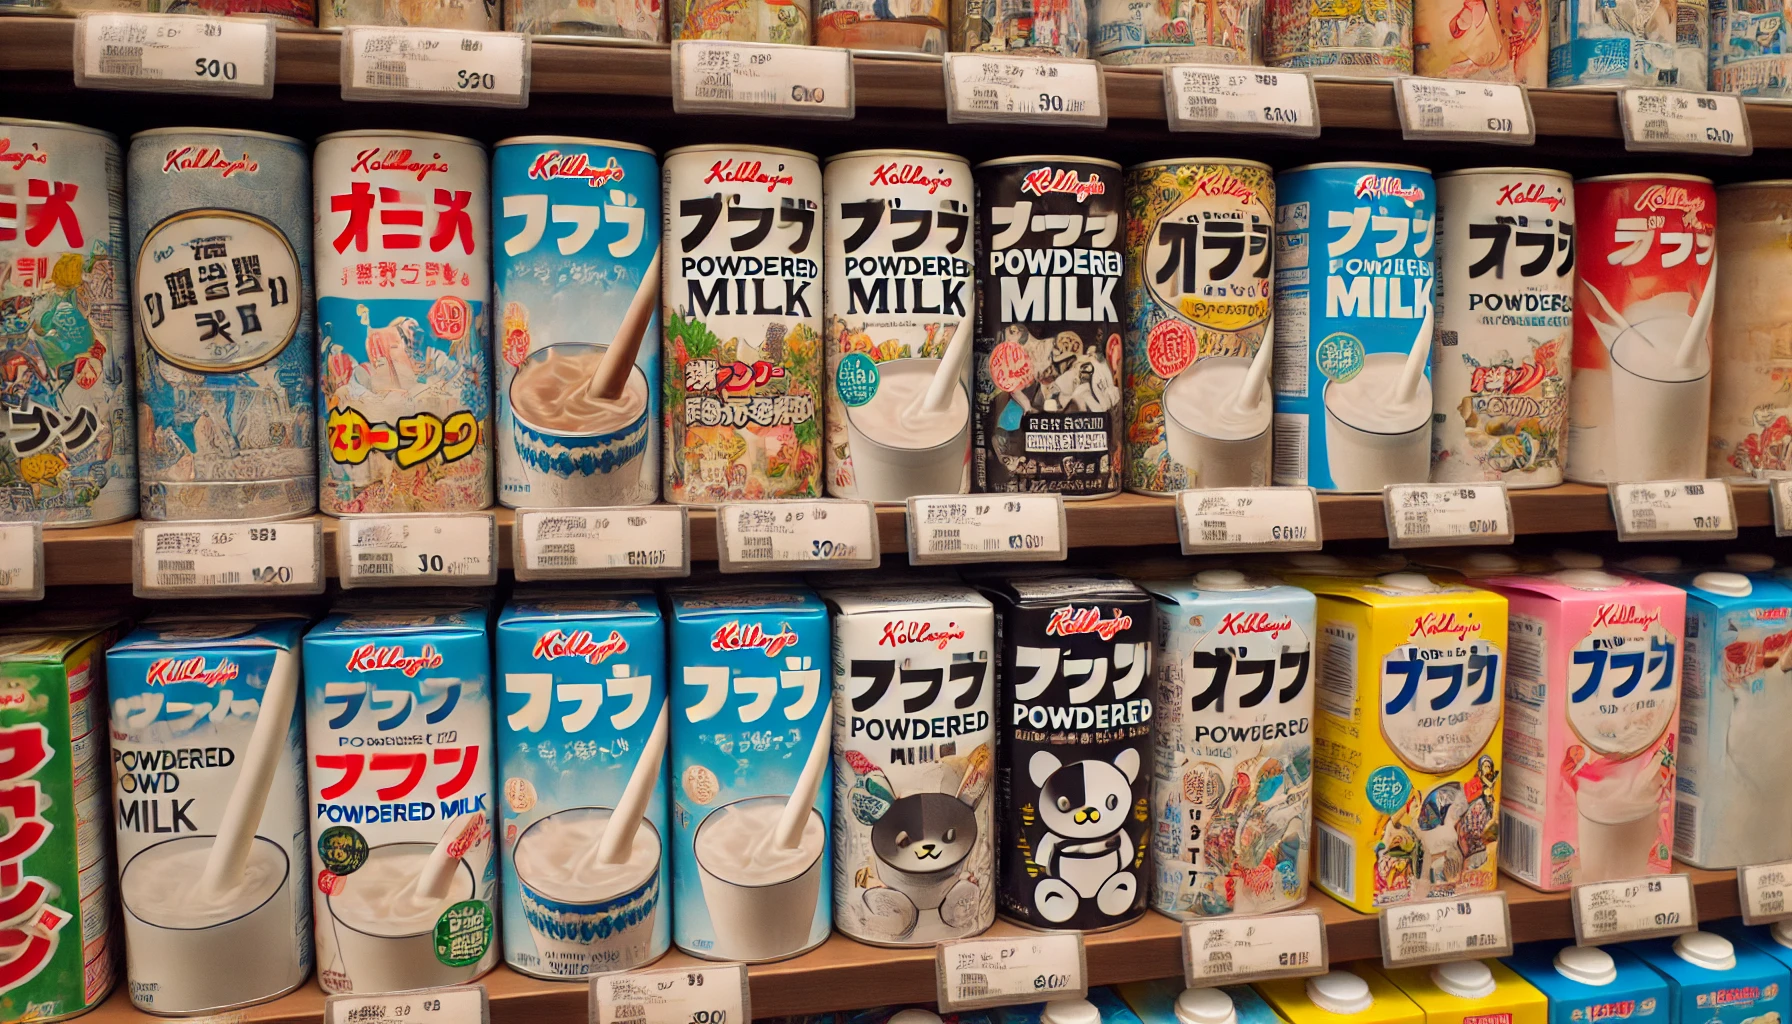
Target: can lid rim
(580, 140)
(719, 147)
(1369, 164)
(942, 154)
(1642, 177)
(1227, 160)
(1007, 160)
(33, 122)
(401, 133)
(1465, 171)
(250, 132)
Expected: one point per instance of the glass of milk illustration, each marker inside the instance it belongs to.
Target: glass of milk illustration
(581, 910)
(1373, 436)
(385, 921)
(1220, 436)
(761, 895)
(1619, 820)
(577, 449)
(900, 445)
(1660, 391)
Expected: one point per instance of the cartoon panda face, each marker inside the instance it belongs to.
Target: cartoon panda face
(925, 833)
(1084, 799)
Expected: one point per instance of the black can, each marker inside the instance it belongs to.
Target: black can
(1073, 774)
(1051, 233)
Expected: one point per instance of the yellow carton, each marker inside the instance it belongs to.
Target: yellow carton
(1341, 997)
(1406, 739)
(1470, 992)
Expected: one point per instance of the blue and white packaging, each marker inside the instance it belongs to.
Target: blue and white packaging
(1155, 1002)
(1770, 939)
(1355, 255)
(398, 726)
(1712, 980)
(751, 718)
(1106, 1001)
(582, 732)
(1592, 984)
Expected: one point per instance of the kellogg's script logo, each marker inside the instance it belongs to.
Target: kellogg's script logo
(1071, 619)
(369, 160)
(1387, 186)
(1725, 996)
(1609, 1011)
(736, 637)
(1528, 192)
(373, 658)
(18, 158)
(747, 172)
(904, 632)
(1045, 181)
(1222, 182)
(909, 174)
(555, 164)
(578, 644)
(168, 671)
(1443, 624)
(207, 158)
(1656, 198)
(1625, 615)
(1240, 623)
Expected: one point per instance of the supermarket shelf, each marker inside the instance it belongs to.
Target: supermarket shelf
(845, 975)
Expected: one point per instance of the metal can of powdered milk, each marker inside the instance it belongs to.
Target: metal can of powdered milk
(1751, 370)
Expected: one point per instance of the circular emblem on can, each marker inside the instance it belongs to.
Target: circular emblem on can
(856, 378)
(218, 291)
(1170, 347)
(450, 318)
(464, 933)
(1339, 356)
(342, 849)
(1010, 367)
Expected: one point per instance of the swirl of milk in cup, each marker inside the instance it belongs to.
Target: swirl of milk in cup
(549, 393)
(164, 884)
(732, 846)
(383, 897)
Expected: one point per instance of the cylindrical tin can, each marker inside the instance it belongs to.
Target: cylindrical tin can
(899, 283)
(1751, 371)
(742, 311)
(1371, 39)
(578, 228)
(403, 282)
(1749, 48)
(1504, 325)
(1073, 750)
(1599, 43)
(589, 21)
(914, 820)
(1049, 28)
(1640, 399)
(919, 26)
(753, 21)
(301, 13)
(69, 457)
(1199, 250)
(1046, 413)
(1176, 31)
(226, 366)
(1501, 41)
(1353, 279)
(477, 15)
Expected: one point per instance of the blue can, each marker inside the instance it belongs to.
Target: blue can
(582, 721)
(575, 234)
(1355, 256)
(1605, 44)
(750, 709)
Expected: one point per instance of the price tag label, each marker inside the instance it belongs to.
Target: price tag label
(707, 994)
(1671, 121)
(1438, 108)
(945, 528)
(198, 559)
(596, 543)
(773, 79)
(1217, 98)
(435, 65)
(175, 53)
(21, 562)
(1633, 908)
(1026, 90)
(756, 536)
(463, 1004)
(1234, 950)
(1436, 931)
(1248, 519)
(452, 548)
(1674, 510)
(1430, 515)
(1764, 889)
(1003, 971)
(1780, 493)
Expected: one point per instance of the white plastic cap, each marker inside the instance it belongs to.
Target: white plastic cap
(1782, 933)
(1070, 1011)
(1589, 579)
(1410, 582)
(914, 1015)
(1205, 1006)
(1492, 561)
(1340, 992)
(1588, 965)
(1729, 584)
(1749, 561)
(1705, 949)
(1568, 558)
(1465, 979)
(1222, 579)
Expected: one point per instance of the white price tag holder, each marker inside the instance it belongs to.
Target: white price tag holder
(1674, 510)
(175, 53)
(1673, 121)
(1231, 519)
(1062, 92)
(435, 65)
(1221, 98)
(1234, 950)
(975, 974)
(1434, 515)
(1779, 491)
(642, 542)
(1633, 908)
(763, 536)
(222, 559)
(1438, 931)
(711, 993)
(1765, 890)
(1464, 111)
(948, 528)
(21, 562)
(461, 1004)
(418, 549)
(771, 79)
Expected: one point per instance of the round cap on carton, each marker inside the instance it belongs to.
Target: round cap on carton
(1494, 561)
(1706, 949)
(1589, 579)
(1782, 933)
(1205, 1006)
(1070, 1011)
(914, 1015)
(1465, 979)
(1588, 965)
(1568, 558)
(1729, 584)
(1410, 582)
(1222, 579)
(1340, 992)
(1748, 561)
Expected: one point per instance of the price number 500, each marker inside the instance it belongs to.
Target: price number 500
(214, 69)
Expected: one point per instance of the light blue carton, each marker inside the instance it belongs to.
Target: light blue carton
(582, 717)
(750, 703)
(1765, 938)
(1113, 1010)
(1712, 980)
(1591, 984)
(1156, 1002)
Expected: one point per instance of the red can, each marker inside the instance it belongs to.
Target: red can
(1640, 395)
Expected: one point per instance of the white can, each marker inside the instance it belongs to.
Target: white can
(899, 240)
(1751, 367)
(914, 756)
(1504, 325)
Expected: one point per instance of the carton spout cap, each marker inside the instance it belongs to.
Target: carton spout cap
(1465, 979)
(1589, 579)
(1705, 949)
(1410, 582)
(915, 1015)
(1729, 584)
(1222, 579)
(1070, 1011)
(1588, 965)
(1782, 933)
(1205, 1006)
(1340, 992)
(1748, 561)
(1492, 561)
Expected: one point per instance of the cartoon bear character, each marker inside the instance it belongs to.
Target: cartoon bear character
(921, 844)
(1086, 853)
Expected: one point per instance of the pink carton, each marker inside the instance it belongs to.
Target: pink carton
(1592, 708)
